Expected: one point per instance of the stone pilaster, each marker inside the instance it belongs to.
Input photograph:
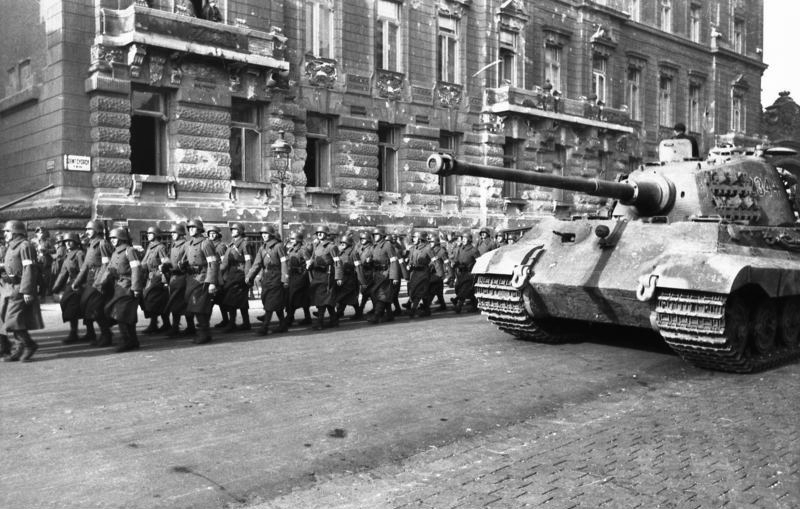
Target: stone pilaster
(110, 121)
(200, 137)
(355, 162)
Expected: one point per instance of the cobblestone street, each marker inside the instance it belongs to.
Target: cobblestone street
(438, 413)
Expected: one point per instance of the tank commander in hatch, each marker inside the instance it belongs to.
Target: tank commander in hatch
(679, 131)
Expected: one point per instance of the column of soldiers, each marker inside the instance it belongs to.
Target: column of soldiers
(104, 281)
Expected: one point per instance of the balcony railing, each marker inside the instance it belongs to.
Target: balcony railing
(155, 27)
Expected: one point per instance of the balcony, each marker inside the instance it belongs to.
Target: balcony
(158, 28)
(508, 100)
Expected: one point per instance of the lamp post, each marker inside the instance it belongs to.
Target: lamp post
(279, 172)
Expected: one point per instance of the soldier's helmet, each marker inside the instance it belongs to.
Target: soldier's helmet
(422, 236)
(196, 223)
(363, 235)
(268, 228)
(59, 236)
(74, 237)
(501, 235)
(379, 231)
(95, 226)
(155, 230)
(238, 226)
(42, 230)
(214, 229)
(323, 229)
(120, 234)
(484, 230)
(435, 240)
(346, 239)
(16, 227)
(178, 228)
(298, 235)
(467, 235)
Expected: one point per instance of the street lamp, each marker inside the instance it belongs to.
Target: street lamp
(279, 172)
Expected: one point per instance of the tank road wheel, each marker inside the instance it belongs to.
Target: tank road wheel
(765, 327)
(789, 322)
(737, 323)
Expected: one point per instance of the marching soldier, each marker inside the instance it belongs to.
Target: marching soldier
(439, 270)
(20, 300)
(124, 269)
(201, 263)
(324, 278)
(43, 245)
(271, 261)
(451, 246)
(155, 294)
(89, 283)
(381, 274)
(465, 257)
(59, 255)
(360, 252)
(297, 253)
(235, 264)
(5, 344)
(419, 262)
(214, 234)
(347, 293)
(401, 252)
(71, 299)
(176, 303)
(485, 243)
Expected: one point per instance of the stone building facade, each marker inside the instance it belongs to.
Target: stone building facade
(141, 111)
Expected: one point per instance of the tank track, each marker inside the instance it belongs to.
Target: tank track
(693, 325)
(504, 307)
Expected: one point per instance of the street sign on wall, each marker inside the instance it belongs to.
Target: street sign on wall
(77, 163)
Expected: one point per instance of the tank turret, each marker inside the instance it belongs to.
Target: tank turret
(706, 253)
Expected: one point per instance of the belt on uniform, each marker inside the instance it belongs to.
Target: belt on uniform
(195, 269)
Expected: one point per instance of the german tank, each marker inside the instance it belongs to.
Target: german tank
(707, 253)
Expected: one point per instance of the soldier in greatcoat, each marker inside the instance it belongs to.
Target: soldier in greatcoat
(381, 274)
(59, 254)
(324, 278)
(89, 283)
(485, 242)
(464, 260)
(201, 264)
(214, 234)
(5, 344)
(43, 244)
(176, 303)
(19, 305)
(271, 261)
(360, 251)
(235, 264)
(71, 299)
(419, 260)
(439, 271)
(156, 293)
(451, 243)
(297, 253)
(401, 250)
(125, 271)
(348, 291)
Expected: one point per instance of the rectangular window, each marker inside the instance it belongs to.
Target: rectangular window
(448, 66)
(245, 142)
(319, 29)
(665, 101)
(694, 23)
(319, 137)
(148, 132)
(387, 37)
(552, 67)
(634, 93)
(599, 82)
(695, 104)
(737, 113)
(635, 8)
(512, 151)
(12, 86)
(388, 145)
(449, 144)
(25, 75)
(507, 56)
(738, 35)
(666, 15)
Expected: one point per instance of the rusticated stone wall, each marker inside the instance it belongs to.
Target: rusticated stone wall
(201, 150)
(110, 121)
(355, 163)
(421, 187)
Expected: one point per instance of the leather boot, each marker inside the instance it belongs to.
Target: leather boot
(190, 329)
(153, 327)
(105, 336)
(73, 333)
(412, 312)
(165, 326)
(129, 339)
(16, 352)
(90, 335)
(307, 320)
(377, 315)
(203, 331)
(231, 325)
(28, 343)
(283, 322)
(320, 319)
(334, 316)
(225, 321)
(5, 345)
(245, 320)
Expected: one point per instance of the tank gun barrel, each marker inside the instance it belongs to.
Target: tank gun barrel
(651, 196)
